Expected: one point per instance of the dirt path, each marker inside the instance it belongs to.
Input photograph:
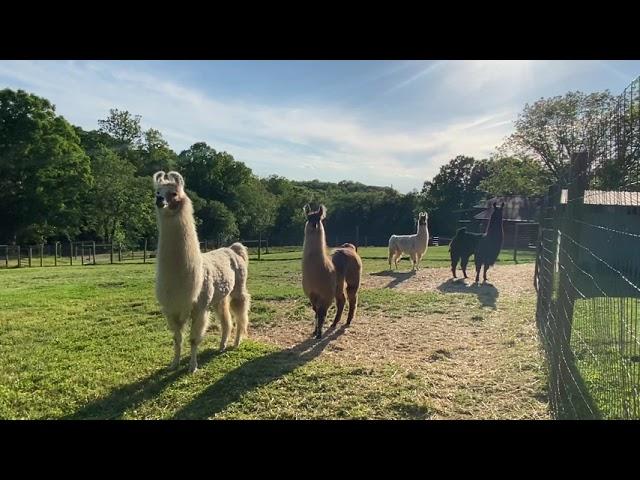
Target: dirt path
(479, 356)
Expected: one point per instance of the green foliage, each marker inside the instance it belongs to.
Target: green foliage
(552, 129)
(515, 176)
(44, 170)
(455, 187)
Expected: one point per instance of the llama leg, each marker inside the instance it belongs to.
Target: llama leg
(340, 301)
(199, 323)
(463, 264)
(322, 313)
(478, 268)
(352, 293)
(176, 327)
(484, 274)
(454, 265)
(390, 258)
(225, 320)
(240, 308)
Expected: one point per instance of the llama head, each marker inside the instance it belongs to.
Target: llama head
(170, 196)
(314, 218)
(496, 214)
(422, 218)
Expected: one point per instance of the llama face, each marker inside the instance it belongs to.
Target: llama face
(169, 192)
(496, 215)
(314, 219)
(422, 218)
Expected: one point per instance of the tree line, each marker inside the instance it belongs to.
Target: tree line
(60, 182)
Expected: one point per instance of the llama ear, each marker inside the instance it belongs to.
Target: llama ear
(306, 209)
(323, 212)
(177, 178)
(158, 177)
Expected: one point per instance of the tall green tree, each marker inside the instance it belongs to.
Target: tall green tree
(44, 170)
(455, 187)
(516, 176)
(119, 205)
(213, 175)
(552, 129)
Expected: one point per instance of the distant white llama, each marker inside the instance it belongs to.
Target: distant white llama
(413, 245)
(188, 282)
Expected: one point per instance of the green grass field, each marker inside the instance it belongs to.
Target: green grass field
(87, 342)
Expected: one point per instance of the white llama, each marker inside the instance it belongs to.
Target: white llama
(414, 245)
(188, 282)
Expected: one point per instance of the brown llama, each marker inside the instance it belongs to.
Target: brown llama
(324, 277)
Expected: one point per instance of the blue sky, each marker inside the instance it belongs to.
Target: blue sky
(377, 122)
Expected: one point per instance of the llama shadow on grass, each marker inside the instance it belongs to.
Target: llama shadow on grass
(487, 294)
(253, 375)
(117, 402)
(249, 376)
(398, 277)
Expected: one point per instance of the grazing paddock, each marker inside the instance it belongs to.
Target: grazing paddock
(90, 342)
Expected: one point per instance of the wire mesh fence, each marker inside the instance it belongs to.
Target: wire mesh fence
(588, 271)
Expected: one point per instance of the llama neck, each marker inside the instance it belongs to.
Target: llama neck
(494, 229)
(315, 244)
(178, 238)
(422, 230)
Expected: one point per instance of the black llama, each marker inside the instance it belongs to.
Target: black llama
(485, 247)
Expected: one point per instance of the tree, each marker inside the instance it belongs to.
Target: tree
(213, 175)
(216, 222)
(256, 209)
(123, 127)
(552, 129)
(44, 170)
(515, 176)
(119, 205)
(455, 187)
(155, 154)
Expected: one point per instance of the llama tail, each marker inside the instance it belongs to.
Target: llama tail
(459, 232)
(241, 250)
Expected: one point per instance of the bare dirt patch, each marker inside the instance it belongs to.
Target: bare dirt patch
(479, 355)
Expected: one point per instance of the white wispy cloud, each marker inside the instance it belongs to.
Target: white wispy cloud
(300, 141)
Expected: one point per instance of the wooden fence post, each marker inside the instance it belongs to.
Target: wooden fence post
(41, 252)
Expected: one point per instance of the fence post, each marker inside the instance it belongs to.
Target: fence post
(111, 252)
(6, 256)
(515, 244)
(94, 252)
(55, 254)
(144, 258)
(30, 254)
(81, 252)
(71, 253)
(119, 252)
(41, 252)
